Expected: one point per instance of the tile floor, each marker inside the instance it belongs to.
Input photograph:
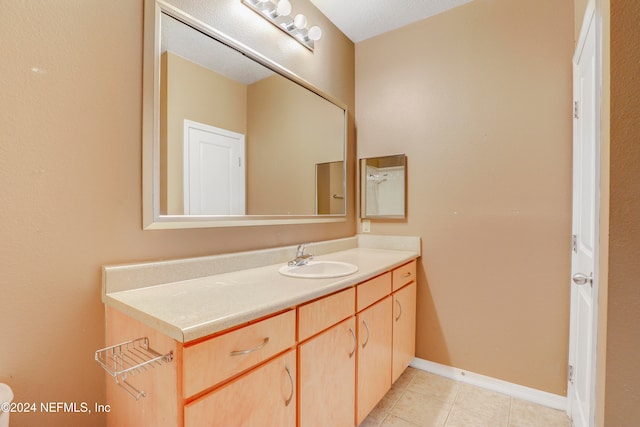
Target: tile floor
(423, 399)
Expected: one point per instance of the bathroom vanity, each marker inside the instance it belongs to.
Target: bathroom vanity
(241, 344)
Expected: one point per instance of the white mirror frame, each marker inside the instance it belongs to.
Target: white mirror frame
(151, 217)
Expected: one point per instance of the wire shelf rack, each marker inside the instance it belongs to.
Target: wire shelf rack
(128, 359)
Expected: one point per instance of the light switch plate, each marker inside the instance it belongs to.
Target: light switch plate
(366, 226)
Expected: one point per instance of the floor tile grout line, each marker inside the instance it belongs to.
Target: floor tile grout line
(386, 415)
(395, 402)
(454, 400)
(389, 412)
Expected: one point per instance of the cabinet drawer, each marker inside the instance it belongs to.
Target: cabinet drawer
(403, 275)
(319, 315)
(212, 361)
(373, 290)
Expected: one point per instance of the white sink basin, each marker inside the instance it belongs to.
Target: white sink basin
(319, 270)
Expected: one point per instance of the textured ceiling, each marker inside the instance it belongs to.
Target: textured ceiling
(362, 19)
(358, 19)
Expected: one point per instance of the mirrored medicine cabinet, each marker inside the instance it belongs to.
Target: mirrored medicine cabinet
(383, 187)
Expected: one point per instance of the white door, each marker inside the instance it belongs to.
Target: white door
(214, 171)
(584, 283)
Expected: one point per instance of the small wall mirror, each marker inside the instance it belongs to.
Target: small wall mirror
(383, 187)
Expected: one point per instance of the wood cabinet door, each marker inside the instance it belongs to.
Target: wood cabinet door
(264, 396)
(327, 373)
(404, 329)
(374, 356)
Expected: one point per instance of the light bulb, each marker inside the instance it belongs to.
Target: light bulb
(315, 33)
(283, 8)
(300, 21)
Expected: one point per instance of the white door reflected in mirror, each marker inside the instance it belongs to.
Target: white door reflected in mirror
(214, 175)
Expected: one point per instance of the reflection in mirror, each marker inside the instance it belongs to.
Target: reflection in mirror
(329, 187)
(382, 187)
(238, 143)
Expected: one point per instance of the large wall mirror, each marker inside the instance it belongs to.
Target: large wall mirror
(230, 138)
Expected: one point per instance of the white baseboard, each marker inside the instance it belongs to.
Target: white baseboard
(514, 390)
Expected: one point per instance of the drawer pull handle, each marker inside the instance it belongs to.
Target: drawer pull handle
(364, 322)
(286, 402)
(400, 307)
(407, 274)
(251, 350)
(355, 342)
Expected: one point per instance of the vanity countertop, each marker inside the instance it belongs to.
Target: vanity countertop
(191, 309)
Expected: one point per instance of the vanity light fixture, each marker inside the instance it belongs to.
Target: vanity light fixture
(278, 12)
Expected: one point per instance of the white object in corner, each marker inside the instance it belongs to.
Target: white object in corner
(510, 389)
(6, 396)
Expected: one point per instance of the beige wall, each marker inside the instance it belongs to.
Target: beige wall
(295, 129)
(70, 156)
(618, 373)
(622, 135)
(479, 99)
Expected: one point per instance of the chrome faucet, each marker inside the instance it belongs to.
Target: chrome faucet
(301, 258)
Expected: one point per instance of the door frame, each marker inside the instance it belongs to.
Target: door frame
(593, 16)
